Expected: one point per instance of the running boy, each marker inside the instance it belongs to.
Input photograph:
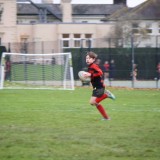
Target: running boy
(99, 92)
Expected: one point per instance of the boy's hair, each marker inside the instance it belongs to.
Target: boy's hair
(91, 55)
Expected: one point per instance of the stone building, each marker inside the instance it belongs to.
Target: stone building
(64, 25)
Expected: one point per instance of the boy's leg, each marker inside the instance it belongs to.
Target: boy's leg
(99, 107)
(99, 99)
(107, 94)
(102, 111)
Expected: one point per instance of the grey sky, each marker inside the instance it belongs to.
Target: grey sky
(130, 3)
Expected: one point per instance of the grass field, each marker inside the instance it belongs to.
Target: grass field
(36, 72)
(61, 125)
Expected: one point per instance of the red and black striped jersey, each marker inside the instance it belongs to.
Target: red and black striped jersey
(96, 76)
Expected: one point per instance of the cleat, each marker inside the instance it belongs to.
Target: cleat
(110, 95)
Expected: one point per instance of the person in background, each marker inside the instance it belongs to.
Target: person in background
(112, 70)
(8, 69)
(134, 74)
(98, 62)
(158, 71)
(106, 66)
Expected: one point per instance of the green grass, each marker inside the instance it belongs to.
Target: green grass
(61, 125)
(36, 72)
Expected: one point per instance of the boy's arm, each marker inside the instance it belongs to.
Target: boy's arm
(97, 71)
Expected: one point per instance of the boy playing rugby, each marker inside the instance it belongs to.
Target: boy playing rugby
(99, 93)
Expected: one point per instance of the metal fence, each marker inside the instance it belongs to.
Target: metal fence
(133, 61)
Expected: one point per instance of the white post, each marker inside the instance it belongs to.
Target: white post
(2, 71)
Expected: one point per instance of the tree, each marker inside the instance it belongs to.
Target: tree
(121, 34)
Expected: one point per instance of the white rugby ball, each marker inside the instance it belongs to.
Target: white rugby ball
(82, 77)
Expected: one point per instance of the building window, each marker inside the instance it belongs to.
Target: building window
(135, 25)
(77, 40)
(88, 35)
(65, 40)
(65, 43)
(149, 31)
(1, 12)
(135, 28)
(87, 41)
(65, 36)
(24, 45)
(159, 28)
(149, 28)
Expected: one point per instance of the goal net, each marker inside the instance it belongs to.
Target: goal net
(36, 71)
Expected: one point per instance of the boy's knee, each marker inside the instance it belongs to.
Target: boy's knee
(92, 103)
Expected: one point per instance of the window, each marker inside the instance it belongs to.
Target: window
(77, 36)
(89, 40)
(88, 35)
(65, 40)
(77, 40)
(1, 12)
(159, 28)
(24, 46)
(65, 36)
(149, 28)
(135, 28)
(149, 31)
(65, 43)
(135, 31)
(135, 25)
(88, 43)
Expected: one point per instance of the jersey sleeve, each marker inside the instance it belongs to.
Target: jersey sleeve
(96, 71)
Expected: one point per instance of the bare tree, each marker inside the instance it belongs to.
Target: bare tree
(125, 28)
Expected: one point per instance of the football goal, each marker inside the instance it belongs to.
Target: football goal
(36, 71)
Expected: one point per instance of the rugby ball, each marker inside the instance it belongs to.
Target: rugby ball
(82, 77)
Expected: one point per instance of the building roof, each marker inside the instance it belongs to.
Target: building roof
(78, 9)
(29, 9)
(149, 10)
(95, 9)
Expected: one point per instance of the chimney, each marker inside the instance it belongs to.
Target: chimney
(120, 2)
(47, 1)
(66, 10)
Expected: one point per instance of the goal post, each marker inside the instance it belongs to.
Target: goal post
(36, 71)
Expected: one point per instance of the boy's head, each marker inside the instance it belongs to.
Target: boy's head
(90, 57)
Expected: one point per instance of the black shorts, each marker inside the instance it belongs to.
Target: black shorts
(98, 92)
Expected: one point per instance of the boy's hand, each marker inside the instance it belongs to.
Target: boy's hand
(87, 74)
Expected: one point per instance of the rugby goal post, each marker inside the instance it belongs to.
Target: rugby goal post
(36, 71)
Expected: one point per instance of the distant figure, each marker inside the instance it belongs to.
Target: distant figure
(8, 70)
(98, 62)
(106, 66)
(112, 70)
(134, 74)
(158, 71)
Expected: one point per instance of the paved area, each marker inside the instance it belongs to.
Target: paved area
(130, 84)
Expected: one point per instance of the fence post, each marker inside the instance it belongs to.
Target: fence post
(132, 51)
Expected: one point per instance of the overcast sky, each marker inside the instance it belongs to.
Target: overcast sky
(130, 3)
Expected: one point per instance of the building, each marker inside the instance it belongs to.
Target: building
(63, 25)
(49, 27)
(143, 22)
